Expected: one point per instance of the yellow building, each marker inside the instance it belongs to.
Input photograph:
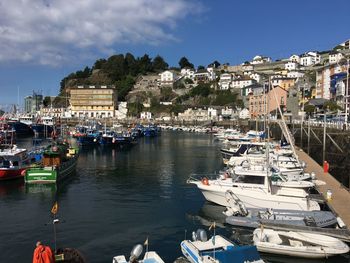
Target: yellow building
(93, 101)
(285, 83)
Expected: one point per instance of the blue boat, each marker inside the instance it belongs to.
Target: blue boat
(107, 138)
(217, 249)
(87, 136)
(151, 131)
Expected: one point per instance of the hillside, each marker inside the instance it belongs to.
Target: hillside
(123, 71)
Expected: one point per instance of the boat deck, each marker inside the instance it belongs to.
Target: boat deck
(340, 196)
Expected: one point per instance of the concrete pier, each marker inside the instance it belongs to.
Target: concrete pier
(340, 202)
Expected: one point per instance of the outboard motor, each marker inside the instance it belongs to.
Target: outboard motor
(135, 253)
(200, 235)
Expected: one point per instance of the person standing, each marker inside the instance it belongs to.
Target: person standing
(42, 254)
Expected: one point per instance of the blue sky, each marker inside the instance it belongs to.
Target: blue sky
(41, 41)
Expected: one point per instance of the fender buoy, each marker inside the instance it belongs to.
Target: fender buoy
(205, 181)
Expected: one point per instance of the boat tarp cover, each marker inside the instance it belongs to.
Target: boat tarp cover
(237, 254)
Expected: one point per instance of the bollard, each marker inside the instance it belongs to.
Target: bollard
(329, 195)
(325, 167)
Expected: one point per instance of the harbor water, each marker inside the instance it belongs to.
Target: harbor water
(118, 198)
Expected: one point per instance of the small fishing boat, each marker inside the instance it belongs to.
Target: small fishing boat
(217, 249)
(14, 161)
(298, 244)
(149, 257)
(59, 161)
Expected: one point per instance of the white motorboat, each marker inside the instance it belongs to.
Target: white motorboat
(298, 244)
(255, 191)
(217, 250)
(149, 257)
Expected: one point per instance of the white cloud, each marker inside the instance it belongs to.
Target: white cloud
(56, 31)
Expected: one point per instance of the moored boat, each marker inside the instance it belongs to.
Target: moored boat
(59, 161)
(298, 244)
(149, 257)
(217, 249)
(13, 162)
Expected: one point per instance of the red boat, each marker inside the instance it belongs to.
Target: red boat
(13, 163)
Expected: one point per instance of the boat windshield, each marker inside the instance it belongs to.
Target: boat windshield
(250, 179)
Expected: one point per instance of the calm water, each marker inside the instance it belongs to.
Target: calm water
(117, 199)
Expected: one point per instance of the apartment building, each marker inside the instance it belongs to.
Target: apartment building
(93, 101)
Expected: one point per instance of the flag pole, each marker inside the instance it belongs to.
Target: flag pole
(54, 232)
(54, 211)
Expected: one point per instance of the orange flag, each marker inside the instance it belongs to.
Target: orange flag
(54, 208)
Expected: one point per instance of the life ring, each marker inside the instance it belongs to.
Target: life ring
(205, 181)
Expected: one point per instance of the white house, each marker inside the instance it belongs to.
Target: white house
(122, 111)
(212, 74)
(242, 82)
(294, 58)
(202, 75)
(212, 113)
(146, 115)
(187, 72)
(255, 76)
(260, 60)
(291, 66)
(335, 57)
(167, 77)
(295, 74)
(225, 81)
(244, 114)
(310, 58)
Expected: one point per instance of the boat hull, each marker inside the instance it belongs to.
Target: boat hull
(9, 174)
(51, 174)
(256, 198)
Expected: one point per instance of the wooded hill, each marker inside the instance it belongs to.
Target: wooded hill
(122, 70)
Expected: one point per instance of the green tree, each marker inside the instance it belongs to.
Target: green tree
(124, 86)
(145, 64)
(134, 109)
(183, 63)
(309, 109)
(99, 63)
(131, 64)
(158, 64)
(215, 64)
(203, 89)
(200, 67)
(115, 67)
(331, 106)
(47, 101)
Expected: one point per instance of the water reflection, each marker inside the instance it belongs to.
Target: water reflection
(11, 187)
(48, 190)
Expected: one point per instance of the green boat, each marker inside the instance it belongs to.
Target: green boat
(59, 161)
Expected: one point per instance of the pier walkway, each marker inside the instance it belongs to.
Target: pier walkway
(340, 202)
